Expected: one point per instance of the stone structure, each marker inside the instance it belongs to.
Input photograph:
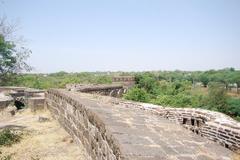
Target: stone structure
(113, 90)
(120, 86)
(123, 79)
(7, 108)
(36, 103)
(33, 93)
(5, 101)
(11, 88)
(215, 126)
(127, 81)
(115, 129)
(35, 99)
(32, 98)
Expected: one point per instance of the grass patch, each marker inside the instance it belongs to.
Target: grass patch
(8, 157)
(8, 137)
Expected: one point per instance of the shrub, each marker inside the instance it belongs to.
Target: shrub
(148, 82)
(8, 157)
(180, 100)
(167, 100)
(7, 138)
(183, 100)
(234, 107)
(137, 94)
(217, 97)
(199, 101)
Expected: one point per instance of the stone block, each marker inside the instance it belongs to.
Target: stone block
(36, 103)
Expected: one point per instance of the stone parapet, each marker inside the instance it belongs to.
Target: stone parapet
(113, 90)
(215, 126)
(83, 125)
(114, 129)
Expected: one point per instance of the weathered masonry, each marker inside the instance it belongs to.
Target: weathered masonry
(127, 81)
(5, 101)
(123, 79)
(22, 96)
(111, 128)
(113, 90)
(215, 126)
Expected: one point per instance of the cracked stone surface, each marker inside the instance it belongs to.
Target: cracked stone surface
(142, 135)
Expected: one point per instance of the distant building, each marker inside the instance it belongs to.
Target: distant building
(127, 81)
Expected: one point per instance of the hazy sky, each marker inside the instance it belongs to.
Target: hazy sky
(128, 35)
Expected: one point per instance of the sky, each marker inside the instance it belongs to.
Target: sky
(128, 35)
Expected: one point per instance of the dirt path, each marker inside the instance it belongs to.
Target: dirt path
(41, 140)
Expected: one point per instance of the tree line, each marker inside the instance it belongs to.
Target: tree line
(188, 89)
(228, 76)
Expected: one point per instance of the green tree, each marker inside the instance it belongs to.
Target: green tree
(236, 79)
(7, 61)
(148, 82)
(204, 78)
(217, 97)
(137, 94)
(12, 56)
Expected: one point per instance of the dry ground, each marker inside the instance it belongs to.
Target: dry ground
(41, 140)
(203, 90)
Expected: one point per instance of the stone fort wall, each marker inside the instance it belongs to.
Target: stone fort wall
(113, 90)
(215, 126)
(83, 125)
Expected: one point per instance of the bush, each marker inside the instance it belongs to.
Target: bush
(103, 80)
(199, 101)
(8, 157)
(166, 88)
(237, 118)
(183, 100)
(234, 107)
(167, 100)
(7, 138)
(217, 97)
(137, 94)
(148, 82)
(180, 100)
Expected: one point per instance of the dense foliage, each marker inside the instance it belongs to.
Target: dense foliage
(58, 80)
(207, 90)
(138, 94)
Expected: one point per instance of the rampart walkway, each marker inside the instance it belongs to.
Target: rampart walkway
(118, 132)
